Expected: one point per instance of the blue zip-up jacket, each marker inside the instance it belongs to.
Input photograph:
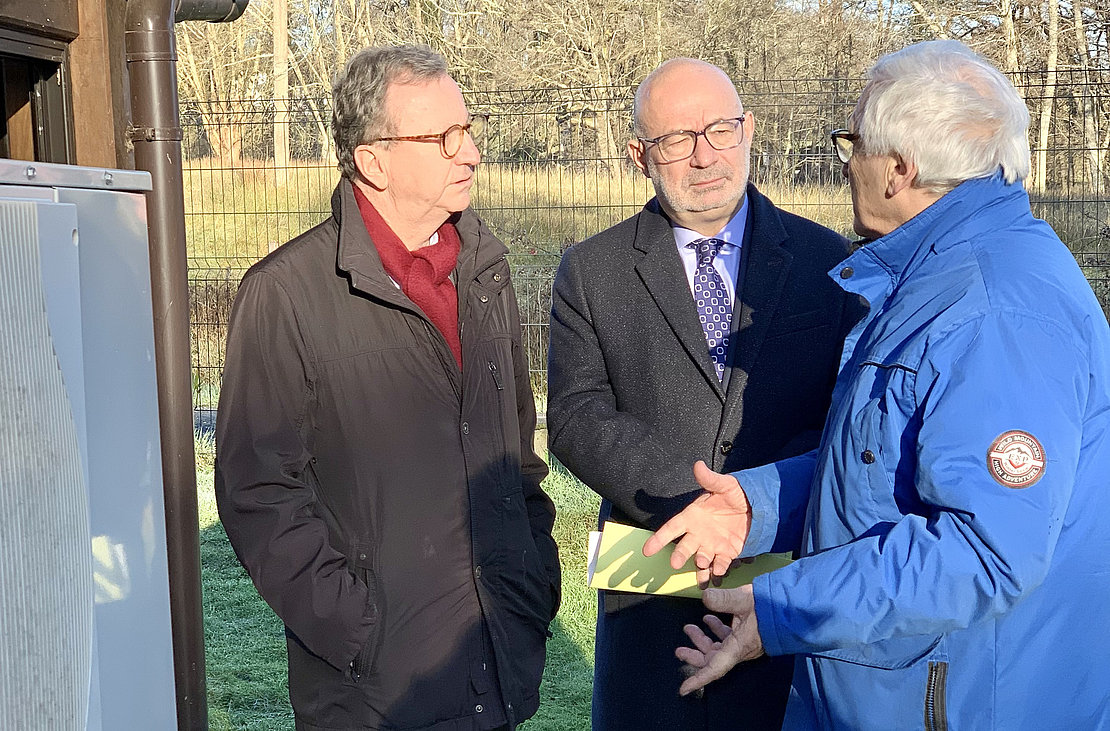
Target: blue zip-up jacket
(954, 524)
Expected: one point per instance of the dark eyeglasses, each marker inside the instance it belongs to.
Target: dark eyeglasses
(844, 143)
(450, 140)
(675, 146)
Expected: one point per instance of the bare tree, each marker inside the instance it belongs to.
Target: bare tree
(219, 71)
(1040, 152)
(281, 90)
(596, 45)
(1088, 102)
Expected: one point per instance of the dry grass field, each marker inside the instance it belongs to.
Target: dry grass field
(236, 216)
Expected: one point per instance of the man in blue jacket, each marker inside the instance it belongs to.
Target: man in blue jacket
(952, 525)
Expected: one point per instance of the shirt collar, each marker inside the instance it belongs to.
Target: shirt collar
(732, 234)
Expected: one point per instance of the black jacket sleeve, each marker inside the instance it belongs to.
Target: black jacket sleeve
(264, 478)
(541, 511)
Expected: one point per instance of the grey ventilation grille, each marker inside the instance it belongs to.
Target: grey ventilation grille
(46, 598)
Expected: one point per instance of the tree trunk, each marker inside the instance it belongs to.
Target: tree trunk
(281, 92)
(1040, 173)
(1087, 106)
(225, 134)
(1009, 37)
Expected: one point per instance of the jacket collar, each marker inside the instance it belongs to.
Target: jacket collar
(971, 208)
(359, 259)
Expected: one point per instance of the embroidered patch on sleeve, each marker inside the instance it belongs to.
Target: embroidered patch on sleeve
(1016, 459)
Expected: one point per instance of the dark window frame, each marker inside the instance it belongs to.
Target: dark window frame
(51, 103)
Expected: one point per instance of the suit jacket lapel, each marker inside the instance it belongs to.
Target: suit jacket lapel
(662, 273)
(764, 274)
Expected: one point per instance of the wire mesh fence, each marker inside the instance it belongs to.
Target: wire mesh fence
(555, 171)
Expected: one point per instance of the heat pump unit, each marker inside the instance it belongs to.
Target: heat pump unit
(84, 597)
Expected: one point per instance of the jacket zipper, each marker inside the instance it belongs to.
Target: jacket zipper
(500, 385)
(936, 715)
(496, 376)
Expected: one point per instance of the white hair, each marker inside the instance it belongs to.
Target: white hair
(948, 110)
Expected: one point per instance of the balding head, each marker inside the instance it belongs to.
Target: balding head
(669, 81)
(694, 141)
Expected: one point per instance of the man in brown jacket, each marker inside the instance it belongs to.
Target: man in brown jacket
(374, 466)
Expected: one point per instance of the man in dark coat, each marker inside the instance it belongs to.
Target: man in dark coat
(374, 463)
(702, 328)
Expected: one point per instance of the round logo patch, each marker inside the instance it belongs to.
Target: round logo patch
(1016, 459)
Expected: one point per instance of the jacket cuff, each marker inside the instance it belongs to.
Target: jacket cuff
(765, 615)
(761, 486)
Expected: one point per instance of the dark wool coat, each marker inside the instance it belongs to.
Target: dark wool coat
(634, 401)
(387, 506)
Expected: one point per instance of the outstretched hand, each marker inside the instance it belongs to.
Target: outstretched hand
(713, 527)
(708, 659)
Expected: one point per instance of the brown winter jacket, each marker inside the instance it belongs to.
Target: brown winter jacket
(387, 506)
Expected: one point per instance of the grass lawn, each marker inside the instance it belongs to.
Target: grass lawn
(245, 645)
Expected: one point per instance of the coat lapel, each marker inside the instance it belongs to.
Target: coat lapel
(662, 274)
(765, 272)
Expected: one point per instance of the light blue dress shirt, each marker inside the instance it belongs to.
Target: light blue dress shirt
(727, 261)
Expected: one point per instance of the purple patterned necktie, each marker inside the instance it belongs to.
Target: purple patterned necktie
(711, 297)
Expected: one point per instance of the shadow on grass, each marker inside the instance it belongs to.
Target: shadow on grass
(246, 660)
(244, 645)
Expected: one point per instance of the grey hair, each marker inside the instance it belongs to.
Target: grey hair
(947, 109)
(358, 110)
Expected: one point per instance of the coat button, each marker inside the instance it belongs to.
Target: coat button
(477, 572)
(484, 298)
(362, 557)
(868, 456)
(497, 277)
(478, 708)
(465, 427)
(725, 447)
(847, 272)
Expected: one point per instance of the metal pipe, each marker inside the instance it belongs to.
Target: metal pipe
(156, 133)
(214, 11)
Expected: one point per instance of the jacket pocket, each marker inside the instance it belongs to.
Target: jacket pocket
(364, 663)
(798, 323)
(529, 590)
(880, 443)
(936, 711)
(896, 653)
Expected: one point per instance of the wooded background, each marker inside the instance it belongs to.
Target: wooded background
(287, 51)
(557, 81)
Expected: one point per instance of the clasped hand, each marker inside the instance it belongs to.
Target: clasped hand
(713, 528)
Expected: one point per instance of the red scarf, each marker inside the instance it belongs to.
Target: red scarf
(423, 274)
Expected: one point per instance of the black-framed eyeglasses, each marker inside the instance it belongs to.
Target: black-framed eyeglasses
(450, 140)
(844, 144)
(723, 134)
